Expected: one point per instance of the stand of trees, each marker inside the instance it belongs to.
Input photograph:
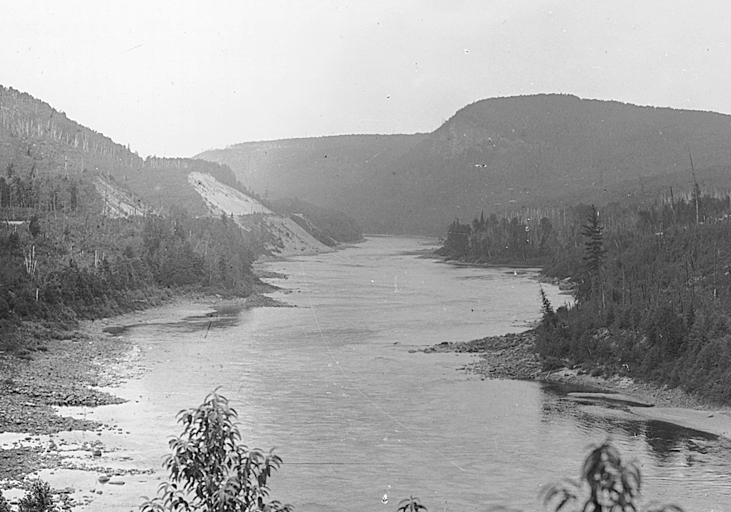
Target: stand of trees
(62, 259)
(652, 286)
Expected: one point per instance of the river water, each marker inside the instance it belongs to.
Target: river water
(333, 385)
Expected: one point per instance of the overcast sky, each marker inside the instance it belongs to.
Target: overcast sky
(173, 78)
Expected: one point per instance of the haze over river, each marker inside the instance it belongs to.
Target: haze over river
(355, 416)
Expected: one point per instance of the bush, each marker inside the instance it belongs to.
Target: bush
(4, 505)
(210, 470)
(607, 485)
(410, 504)
(38, 499)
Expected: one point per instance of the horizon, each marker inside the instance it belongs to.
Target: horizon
(175, 79)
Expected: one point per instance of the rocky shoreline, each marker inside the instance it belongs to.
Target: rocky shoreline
(63, 371)
(67, 368)
(511, 356)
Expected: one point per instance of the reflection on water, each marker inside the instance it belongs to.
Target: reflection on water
(222, 316)
(678, 464)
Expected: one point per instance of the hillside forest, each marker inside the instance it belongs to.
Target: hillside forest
(652, 285)
(69, 253)
(65, 260)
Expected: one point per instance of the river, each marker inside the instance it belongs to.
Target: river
(333, 384)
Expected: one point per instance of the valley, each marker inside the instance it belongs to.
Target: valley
(89, 231)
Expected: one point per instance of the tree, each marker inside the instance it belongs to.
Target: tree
(210, 470)
(545, 229)
(548, 315)
(35, 226)
(458, 239)
(593, 256)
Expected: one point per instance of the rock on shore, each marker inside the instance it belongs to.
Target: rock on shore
(61, 374)
(510, 356)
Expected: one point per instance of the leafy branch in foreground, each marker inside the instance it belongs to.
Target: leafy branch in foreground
(410, 504)
(607, 485)
(210, 470)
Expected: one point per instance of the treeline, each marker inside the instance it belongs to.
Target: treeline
(34, 135)
(62, 259)
(652, 286)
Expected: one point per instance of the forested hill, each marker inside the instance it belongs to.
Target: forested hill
(33, 135)
(89, 229)
(492, 155)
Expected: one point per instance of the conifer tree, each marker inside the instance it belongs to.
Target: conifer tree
(593, 257)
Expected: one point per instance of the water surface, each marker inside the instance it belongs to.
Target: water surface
(332, 384)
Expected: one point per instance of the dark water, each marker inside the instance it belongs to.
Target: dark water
(354, 415)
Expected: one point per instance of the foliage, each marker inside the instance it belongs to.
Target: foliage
(548, 315)
(210, 470)
(4, 505)
(410, 504)
(593, 257)
(458, 239)
(607, 484)
(38, 499)
(517, 239)
(64, 259)
(652, 286)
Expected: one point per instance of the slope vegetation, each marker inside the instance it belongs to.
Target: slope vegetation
(89, 229)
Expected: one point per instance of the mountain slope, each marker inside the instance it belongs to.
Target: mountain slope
(338, 173)
(492, 155)
(39, 146)
(282, 236)
(36, 138)
(222, 199)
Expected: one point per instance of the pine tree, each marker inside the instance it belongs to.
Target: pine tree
(593, 257)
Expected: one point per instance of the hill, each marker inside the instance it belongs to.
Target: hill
(90, 229)
(37, 139)
(40, 144)
(493, 155)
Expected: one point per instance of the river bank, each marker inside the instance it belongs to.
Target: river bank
(68, 368)
(511, 356)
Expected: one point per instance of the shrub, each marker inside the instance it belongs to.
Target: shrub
(410, 504)
(4, 505)
(607, 484)
(38, 499)
(210, 470)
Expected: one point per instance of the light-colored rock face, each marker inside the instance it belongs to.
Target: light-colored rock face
(294, 239)
(118, 203)
(221, 198)
(290, 238)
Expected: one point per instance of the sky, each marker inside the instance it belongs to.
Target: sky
(174, 78)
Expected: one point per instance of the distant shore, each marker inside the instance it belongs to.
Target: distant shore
(511, 356)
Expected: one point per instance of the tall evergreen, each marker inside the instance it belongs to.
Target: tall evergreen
(591, 285)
